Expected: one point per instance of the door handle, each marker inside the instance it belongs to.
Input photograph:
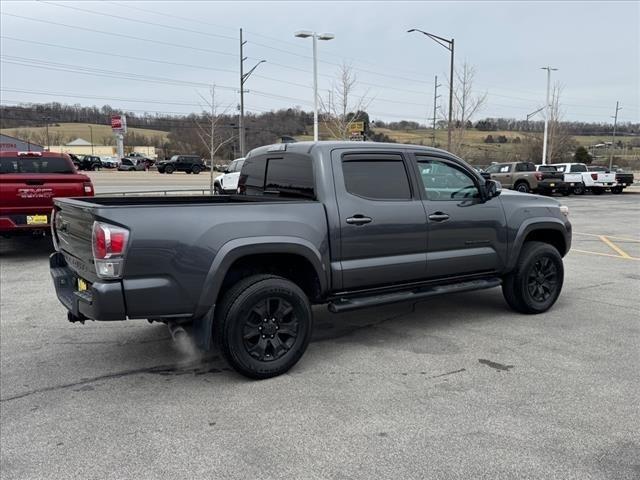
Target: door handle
(358, 219)
(438, 217)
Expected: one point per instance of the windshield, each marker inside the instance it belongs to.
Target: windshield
(174, 158)
(35, 165)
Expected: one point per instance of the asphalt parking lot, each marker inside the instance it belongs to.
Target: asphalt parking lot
(453, 387)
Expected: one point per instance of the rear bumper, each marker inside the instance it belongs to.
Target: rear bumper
(101, 301)
(18, 223)
(552, 185)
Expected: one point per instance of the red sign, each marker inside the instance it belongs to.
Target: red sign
(119, 123)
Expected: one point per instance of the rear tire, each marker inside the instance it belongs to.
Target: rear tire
(263, 326)
(522, 187)
(536, 282)
(579, 189)
(195, 170)
(616, 190)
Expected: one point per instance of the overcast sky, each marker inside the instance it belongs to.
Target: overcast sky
(595, 46)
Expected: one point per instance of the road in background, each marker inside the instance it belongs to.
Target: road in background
(454, 387)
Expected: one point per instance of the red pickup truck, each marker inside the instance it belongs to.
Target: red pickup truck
(29, 181)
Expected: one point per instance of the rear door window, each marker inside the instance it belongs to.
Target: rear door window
(35, 165)
(290, 175)
(376, 176)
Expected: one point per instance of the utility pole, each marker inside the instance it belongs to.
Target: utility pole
(546, 116)
(435, 108)
(613, 137)
(46, 124)
(213, 125)
(243, 78)
(91, 134)
(241, 122)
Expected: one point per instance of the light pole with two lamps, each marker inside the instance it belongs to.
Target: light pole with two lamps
(316, 37)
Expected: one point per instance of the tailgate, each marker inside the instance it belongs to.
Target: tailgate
(24, 193)
(72, 226)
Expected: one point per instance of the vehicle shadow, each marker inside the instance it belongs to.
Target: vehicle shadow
(25, 247)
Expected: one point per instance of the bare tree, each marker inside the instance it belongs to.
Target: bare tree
(341, 106)
(211, 135)
(560, 142)
(466, 103)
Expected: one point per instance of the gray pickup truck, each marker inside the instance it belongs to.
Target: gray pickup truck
(350, 225)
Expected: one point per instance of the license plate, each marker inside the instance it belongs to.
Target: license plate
(37, 220)
(552, 184)
(82, 285)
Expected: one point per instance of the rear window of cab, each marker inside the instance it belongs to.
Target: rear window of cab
(35, 165)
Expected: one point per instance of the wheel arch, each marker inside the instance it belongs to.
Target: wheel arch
(553, 232)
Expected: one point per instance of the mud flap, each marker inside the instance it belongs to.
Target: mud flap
(202, 329)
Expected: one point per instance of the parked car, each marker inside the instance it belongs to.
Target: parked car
(623, 179)
(29, 181)
(110, 162)
(523, 177)
(227, 183)
(131, 165)
(597, 182)
(348, 224)
(86, 162)
(182, 163)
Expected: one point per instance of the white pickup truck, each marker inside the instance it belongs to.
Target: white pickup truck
(597, 182)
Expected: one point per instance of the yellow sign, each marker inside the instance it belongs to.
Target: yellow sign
(356, 127)
(37, 220)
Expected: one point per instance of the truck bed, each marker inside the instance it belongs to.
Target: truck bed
(173, 242)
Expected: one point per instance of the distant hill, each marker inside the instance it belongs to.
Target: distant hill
(62, 133)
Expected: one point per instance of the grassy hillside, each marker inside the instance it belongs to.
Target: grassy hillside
(71, 131)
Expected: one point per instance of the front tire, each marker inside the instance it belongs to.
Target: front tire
(263, 326)
(195, 170)
(535, 284)
(579, 189)
(168, 170)
(616, 190)
(217, 189)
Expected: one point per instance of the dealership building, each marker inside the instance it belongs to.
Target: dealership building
(12, 144)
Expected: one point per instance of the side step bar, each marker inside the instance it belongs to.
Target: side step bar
(345, 304)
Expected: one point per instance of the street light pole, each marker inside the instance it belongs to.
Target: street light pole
(243, 78)
(449, 45)
(315, 36)
(546, 116)
(613, 137)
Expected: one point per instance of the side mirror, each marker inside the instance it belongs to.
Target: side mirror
(226, 170)
(492, 188)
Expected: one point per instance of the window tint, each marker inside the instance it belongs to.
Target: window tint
(525, 167)
(578, 168)
(291, 175)
(287, 176)
(379, 177)
(443, 181)
(35, 165)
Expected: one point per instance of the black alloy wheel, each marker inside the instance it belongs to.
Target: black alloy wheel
(542, 280)
(270, 330)
(263, 325)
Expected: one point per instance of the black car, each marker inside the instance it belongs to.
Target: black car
(182, 163)
(86, 162)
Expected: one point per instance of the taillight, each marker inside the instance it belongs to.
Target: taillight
(88, 189)
(109, 244)
(538, 176)
(594, 176)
